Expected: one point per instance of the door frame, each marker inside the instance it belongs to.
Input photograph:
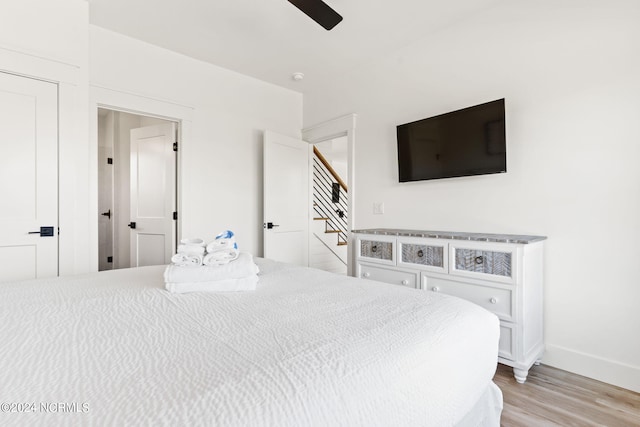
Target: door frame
(335, 128)
(41, 116)
(72, 149)
(111, 99)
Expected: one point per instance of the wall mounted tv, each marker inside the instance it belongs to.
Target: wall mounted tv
(465, 142)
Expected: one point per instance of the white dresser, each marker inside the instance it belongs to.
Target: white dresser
(502, 273)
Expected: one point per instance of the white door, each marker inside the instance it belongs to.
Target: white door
(28, 178)
(286, 198)
(153, 195)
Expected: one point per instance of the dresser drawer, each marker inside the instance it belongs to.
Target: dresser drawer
(378, 249)
(422, 254)
(387, 275)
(484, 263)
(496, 300)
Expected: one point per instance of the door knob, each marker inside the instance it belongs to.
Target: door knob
(270, 225)
(107, 214)
(132, 225)
(44, 232)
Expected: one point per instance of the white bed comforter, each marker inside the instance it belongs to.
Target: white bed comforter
(306, 348)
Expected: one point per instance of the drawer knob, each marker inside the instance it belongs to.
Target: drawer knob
(435, 289)
(405, 282)
(420, 253)
(493, 300)
(365, 274)
(479, 259)
(374, 248)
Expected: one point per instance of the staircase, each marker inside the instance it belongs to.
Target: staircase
(330, 208)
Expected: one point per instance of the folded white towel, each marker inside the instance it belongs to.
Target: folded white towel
(220, 257)
(191, 249)
(229, 285)
(187, 260)
(194, 242)
(222, 244)
(242, 267)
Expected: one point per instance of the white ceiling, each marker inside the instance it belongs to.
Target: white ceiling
(272, 39)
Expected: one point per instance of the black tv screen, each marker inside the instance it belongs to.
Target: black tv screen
(465, 142)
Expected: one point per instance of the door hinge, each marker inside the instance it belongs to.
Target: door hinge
(109, 160)
(175, 146)
(109, 259)
(175, 216)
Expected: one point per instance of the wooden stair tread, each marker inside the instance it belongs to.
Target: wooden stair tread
(342, 243)
(332, 231)
(321, 219)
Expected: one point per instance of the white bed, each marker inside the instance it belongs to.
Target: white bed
(307, 348)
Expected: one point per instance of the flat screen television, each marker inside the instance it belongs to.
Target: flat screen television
(465, 142)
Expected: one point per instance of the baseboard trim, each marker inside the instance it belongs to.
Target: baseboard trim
(605, 370)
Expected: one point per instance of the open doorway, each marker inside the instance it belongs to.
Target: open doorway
(328, 231)
(136, 190)
(341, 129)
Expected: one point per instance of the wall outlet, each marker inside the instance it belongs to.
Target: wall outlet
(378, 208)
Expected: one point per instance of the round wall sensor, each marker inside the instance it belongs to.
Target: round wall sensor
(297, 76)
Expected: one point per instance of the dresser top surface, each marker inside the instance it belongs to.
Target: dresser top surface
(454, 235)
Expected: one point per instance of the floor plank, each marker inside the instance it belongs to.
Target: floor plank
(552, 397)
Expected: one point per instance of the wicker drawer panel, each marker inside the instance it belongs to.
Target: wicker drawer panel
(376, 250)
(423, 254)
(487, 262)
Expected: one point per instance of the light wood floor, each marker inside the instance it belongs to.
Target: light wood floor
(552, 397)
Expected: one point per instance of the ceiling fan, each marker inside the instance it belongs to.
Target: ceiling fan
(319, 11)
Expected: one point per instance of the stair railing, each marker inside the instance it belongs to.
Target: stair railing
(330, 197)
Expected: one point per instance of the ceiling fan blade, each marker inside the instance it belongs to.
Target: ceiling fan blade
(319, 11)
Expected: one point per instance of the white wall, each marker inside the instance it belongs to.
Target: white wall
(55, 30)
(569, 72)
(320, 256)
(221, 163)
(335, 152)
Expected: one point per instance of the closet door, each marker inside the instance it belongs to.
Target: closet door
(153, 195)
(28, 178)
(286, 190)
